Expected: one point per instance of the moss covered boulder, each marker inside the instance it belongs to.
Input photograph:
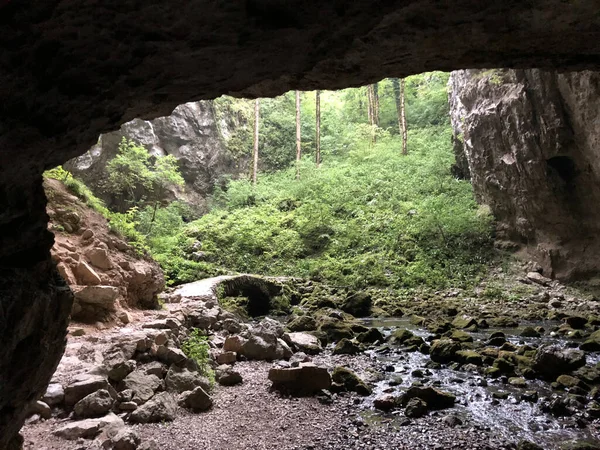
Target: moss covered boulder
(350, 381)
(444, 350)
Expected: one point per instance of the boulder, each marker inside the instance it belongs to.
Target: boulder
(304, 342)
(226, 358)
(371, 336)
(461, 336)
(180, 379)
(227, 376)
(350, 381)
(347, 347)
(306, 379)
(444, 350)
(303, 323)
(386, 402)
(102, 296)
(415, 408)
(89, 428)
(171, 355)
(234, 344)
(99, 258)
(196, 400)
(55, 394)
(530, 332)
(41, 409)
(550, 361)
(162, 407)
(434, 398)
(358, 304)
(592, 343)
(95, 404)
(141, 384)
(538, 278)
(83, 386)
(125, 439)
(462, 322)
(86, 275)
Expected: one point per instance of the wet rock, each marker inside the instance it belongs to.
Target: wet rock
(592, 343)
(461, 336)
(89, 428)
(347, 347)
(94, 405)
(386, 402)
(469, 357)
(517, 382)
(444, 350)
(350, 381)
(568, 381)
(415, 408)
(306, 379)
(227, 376)
(162, 407)
(406, 338)
(304, 342)
(576, 322)
(358, 304)
(55, 394)
(434, 398)
(83, 386)
(370, 337)
(462, 322)
(588, 374)
(196, 400)
(552, 361)
(180, 379)
(530, 396)
(529, 332)
(526, 445)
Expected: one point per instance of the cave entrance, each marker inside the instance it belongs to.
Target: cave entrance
(255, 294)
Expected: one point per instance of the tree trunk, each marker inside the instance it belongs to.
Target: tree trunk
(396, 85)
(375, 90)
(298, 140)
(318, 127)
(255, 152)
(370, 103)
(404, 130)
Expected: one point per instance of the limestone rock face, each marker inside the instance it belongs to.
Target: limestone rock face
(529, 140)
(193, 134)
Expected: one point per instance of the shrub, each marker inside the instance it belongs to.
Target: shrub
(196, 348)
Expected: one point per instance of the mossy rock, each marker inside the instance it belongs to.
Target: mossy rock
(517, 382)
(504, 322)
(434, 398)
(461, 336)
(347, 347)
(303, 323)
(462, 322)
(444, 350)
(529, 332)
(358, 304)
(592, 343)
(470, 357)
(351, 381)
(370, 336)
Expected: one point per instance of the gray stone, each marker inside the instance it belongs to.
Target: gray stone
(125, 439)
(55, 394)
(227, 376)
(103, 296)
(89, 428)
(143, 385)
(304, 342)
(306, 379)
(197, 399)
(94, 405)
(180, 379)
(85, 385)
(162, 407)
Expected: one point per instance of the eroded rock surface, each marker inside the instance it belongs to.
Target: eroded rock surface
(529, 140)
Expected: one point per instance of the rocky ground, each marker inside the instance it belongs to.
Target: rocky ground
(329, 380)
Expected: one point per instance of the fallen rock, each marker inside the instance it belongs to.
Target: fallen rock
(171, 355)
(162, 407)
(83, 386)
(304, 342)
(86, 275)
(227, 376)
(434, 398)
(347, 347)
(181, 379)
(303, 323)
(95, 404)
(226, 358)
(444, 350)
(350, 381)
(386, 402)
(551, 361)
(196, 400)
(99, 258)
(141, 384)
(55, 394)
(371, 336)
(89, 428)
(40, 408)
(415, 408)
(103, 296)
(358, 304)
(538, 278)
(125, 439)
(306, 379)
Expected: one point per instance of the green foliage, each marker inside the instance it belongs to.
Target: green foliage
(196, 348)
(133, 172)
(371, 218)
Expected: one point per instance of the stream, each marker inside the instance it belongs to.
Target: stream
(511, 418)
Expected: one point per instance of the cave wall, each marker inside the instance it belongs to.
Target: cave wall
(194, 134)
(529, 140)
(73, 69)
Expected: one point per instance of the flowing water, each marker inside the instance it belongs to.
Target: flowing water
(510, 418)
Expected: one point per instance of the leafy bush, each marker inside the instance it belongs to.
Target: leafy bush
(196, 348)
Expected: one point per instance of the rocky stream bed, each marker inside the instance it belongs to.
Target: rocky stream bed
(450, 374)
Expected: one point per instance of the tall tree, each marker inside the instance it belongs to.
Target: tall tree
(318, 127)
(370, 104)
(399, 97)
(298, 137)
(404, 128)
(255, 152)
(375, 90)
